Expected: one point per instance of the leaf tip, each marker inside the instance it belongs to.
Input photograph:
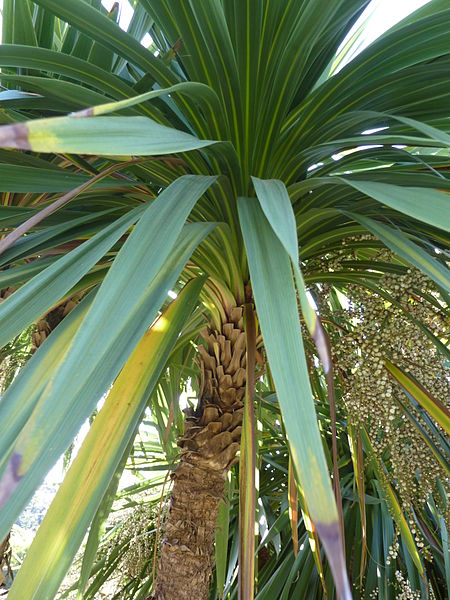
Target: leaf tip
(330, 536)
(15, 136)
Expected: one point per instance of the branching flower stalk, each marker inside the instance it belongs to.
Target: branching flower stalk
(385, 326)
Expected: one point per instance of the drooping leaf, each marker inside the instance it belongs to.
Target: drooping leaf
(277, 208)
(47, 287)
(399, 243)
(433, 406)
(76, 502)
(111, 136)
(111, 329)
(426, 205)
(273, 288)
(21, 397)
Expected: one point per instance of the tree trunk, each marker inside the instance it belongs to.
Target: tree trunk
(49, 322)
(5, 560)
(208, 449)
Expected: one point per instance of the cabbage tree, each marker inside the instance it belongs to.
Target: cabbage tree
(250, 162)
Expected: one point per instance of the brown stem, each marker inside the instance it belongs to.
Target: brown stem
(247, 465)
(208, 449)
(51, 208)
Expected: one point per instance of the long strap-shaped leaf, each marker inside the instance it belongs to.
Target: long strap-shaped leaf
(276, 305)
(222, 534)
(25, 178)
(358, 468)
(275, 202)
(126, 304)
(59, 413)
(46, 211)
(27, 388)
(312, 537)
(45, 289)
(392, 501)
(397, 241)
(60, 229)
(73, 68)
(94, 24)
(74, 506)
(109, 136)
(425, 204)
(433, 406)
(197, 91)
(99, 522)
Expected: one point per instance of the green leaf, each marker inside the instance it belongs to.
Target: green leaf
(274, 292)
(145, 268)
(431, 132)
(392, 502)
(99, 27)
(21, 397)
(433, 406)
(62, 64)
(399, 243)
(48, 210)
(65, 403)
(99, 55)
(274, 199)
(275, 202)
(69, 225)
(98, 525)
(36, 296)
(80, 494)
(18, 23)
(54, 94)
(111, 136)
(11, 277)
(446, 550)
(197, 91)
(21, 178)
(427, 205)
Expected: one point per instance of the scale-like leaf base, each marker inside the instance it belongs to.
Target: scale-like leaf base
(209, 446)
(49, 322)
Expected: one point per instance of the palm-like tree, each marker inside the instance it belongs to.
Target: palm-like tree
(247, 165)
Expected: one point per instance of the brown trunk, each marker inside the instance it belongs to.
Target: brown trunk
(5, 560)
(208, 449)
(47, 324)
(6, 292)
